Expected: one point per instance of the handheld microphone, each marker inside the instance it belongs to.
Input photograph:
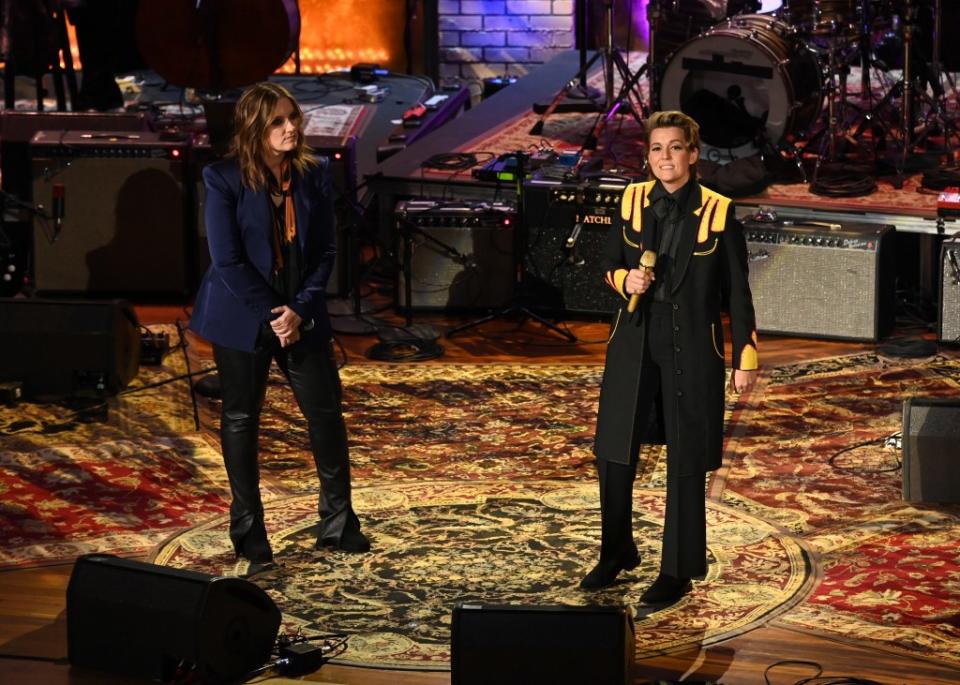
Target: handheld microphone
(648, 260)
(59, 207)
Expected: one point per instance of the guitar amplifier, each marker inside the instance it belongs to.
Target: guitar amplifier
(460, 254)
(16, 130)
(567, 225)
(115, 214)
(822, 280)
(948, 321)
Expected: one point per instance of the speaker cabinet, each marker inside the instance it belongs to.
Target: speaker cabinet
(460, 254)
(61, 348)
(822, 281)
(116, 216)
(140, 619)
(948, 321)
(520, 645)
(567, 226)
(931, 450)
(16, 130)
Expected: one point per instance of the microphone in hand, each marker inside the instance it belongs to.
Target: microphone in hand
(648, 261)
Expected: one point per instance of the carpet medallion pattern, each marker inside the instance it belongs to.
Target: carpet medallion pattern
(439, 543)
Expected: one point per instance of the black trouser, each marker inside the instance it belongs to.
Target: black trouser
(685, 523)
(312, 373)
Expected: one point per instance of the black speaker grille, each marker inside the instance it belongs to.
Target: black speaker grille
(931, 450)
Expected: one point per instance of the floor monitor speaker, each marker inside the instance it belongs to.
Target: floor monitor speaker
(931, 449)
(59, 348)
(559, 645)
(140, 619)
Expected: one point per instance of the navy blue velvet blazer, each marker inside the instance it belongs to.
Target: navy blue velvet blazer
(235, 297)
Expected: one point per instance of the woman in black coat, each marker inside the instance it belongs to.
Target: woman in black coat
(664, 374)
(270, 225)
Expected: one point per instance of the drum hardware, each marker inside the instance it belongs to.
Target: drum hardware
(613, 63)
(935, 118)
(745, 80)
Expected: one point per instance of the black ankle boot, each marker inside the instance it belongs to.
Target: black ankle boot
(254, 545)
(605, 572)
(666, 589)
(352, 540)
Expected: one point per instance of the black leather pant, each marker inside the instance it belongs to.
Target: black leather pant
(312, 372)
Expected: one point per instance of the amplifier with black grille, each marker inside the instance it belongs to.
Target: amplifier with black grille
(460, 254)
(948, 321)
(822, 280)
(567, 224)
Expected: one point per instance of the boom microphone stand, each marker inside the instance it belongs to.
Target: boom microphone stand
(518, 306)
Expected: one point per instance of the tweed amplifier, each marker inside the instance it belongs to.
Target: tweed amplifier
(460, 254)
(822, 280)
(567, 224)
(948, 321)
(116, 216)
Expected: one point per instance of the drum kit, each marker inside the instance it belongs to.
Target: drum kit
(761, 81)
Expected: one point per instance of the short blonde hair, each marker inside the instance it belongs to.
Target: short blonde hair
(674, 119)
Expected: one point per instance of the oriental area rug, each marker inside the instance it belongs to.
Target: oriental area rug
(475, 483)
(805, 455)
(439, 543)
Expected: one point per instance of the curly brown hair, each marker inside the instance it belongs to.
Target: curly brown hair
(251, 118)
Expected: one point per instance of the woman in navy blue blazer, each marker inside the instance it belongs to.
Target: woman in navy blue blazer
(270, 226)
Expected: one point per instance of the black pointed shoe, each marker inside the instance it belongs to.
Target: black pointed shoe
(350, 541)
(604, 573)
(666, 590)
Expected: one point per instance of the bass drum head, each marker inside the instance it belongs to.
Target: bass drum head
(742, 80)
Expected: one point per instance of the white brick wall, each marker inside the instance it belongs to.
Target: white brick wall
(483, 38)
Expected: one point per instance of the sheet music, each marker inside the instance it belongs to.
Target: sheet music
(332, 121)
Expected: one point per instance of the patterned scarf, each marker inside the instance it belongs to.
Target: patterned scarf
(287, 233)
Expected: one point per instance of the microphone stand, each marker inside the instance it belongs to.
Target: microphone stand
(518, 306)
(408, 229)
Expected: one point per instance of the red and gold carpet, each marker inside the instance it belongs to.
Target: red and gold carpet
(437, 543)
(74, 481)
(465, 472)
(808, 453)
(443, 421)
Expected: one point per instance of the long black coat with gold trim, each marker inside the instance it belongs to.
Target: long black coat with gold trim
(710, 275)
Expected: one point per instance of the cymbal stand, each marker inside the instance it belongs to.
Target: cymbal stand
(936, 117)
(613, 63)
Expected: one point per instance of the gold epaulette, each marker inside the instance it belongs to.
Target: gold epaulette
(712, 213)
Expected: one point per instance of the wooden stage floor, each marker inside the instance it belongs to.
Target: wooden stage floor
(32, 601)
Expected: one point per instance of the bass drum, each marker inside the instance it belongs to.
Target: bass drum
(745, 79)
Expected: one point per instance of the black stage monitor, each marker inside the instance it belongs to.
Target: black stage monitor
(548, 645)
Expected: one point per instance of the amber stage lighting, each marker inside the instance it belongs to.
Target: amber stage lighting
(338, 33)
